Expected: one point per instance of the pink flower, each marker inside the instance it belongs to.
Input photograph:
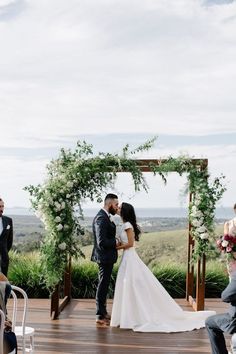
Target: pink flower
(227, 243)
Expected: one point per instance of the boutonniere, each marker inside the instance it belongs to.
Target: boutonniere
(8, 227)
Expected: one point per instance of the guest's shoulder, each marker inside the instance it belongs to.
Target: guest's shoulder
(7, 218)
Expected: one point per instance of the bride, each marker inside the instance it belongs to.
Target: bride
(140, 301)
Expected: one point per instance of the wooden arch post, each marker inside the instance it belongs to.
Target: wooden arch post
(197, 303)
(56, 305)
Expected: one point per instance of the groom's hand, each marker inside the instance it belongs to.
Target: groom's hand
(118, 243)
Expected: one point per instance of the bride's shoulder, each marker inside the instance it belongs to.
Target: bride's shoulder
(127, 225)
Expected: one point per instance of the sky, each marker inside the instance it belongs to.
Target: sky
(113, 72)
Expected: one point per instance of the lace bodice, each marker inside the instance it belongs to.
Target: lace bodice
(123, 235)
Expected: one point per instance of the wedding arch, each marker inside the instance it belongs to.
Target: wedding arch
(78, 175)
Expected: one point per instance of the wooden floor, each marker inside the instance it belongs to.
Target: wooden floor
(76, 332)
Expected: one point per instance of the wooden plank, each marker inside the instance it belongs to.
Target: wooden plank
(144, 164)
(76, 332)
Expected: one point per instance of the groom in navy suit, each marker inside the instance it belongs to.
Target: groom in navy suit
(6, 239)
(104, 253)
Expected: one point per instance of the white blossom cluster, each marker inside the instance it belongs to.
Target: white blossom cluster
(197, 219)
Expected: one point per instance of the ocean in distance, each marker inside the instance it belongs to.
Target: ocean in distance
(221, 212)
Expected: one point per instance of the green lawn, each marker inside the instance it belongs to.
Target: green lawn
(165, 247)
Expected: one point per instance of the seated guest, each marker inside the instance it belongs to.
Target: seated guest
(9, 339)
(226, 322)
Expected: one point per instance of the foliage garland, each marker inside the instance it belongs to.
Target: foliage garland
(76, 176)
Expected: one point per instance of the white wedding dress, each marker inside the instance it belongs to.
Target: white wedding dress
(141, 303)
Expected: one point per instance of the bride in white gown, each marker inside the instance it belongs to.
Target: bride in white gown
(140, 301)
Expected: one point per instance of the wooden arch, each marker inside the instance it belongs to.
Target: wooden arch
(198, 289)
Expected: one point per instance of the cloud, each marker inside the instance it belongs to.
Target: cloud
(218, 2)
(139, 68)
(117, 67)
(29, 165)
(9, 9)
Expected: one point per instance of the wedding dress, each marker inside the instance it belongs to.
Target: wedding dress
(141, 303)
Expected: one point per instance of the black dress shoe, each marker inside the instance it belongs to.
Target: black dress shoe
(102, 322)
(107, 316)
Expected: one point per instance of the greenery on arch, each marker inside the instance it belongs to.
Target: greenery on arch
(77, 175)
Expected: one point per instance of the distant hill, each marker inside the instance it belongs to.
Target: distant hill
(163, 240)
(164, 247)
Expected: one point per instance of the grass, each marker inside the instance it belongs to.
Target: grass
(164, 252)
(162, 247)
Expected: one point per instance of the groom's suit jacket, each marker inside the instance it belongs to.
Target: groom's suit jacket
(6, 240)
(104, 231)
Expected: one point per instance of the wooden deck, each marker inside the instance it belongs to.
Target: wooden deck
(76, 332)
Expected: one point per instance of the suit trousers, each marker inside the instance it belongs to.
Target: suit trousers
(104, 277)
(4, 269)
(216, 326)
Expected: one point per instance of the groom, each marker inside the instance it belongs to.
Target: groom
(104, 253)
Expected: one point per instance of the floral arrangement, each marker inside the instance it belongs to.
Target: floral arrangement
(202, 210)
(227, 244)
(205, 193)
(77, 175)
(71, 178)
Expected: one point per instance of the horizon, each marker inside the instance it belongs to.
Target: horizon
(150, 212)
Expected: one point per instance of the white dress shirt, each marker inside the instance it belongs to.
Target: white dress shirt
(107, 213)
(1, 225)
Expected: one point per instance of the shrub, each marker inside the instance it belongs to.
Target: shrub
(173, 279)
(26, 271)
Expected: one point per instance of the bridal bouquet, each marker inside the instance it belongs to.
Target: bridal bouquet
(227, 244)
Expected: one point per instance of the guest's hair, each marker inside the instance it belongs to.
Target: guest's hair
(128, 215)
(235, 206)
(110, 196)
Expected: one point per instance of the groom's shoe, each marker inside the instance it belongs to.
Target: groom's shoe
(102, 321)
(107, 316)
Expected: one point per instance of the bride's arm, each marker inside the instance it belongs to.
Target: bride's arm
(226, 228)
(130, 243)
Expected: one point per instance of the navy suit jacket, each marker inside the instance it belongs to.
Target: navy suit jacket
(104, 231)
(6, 239)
